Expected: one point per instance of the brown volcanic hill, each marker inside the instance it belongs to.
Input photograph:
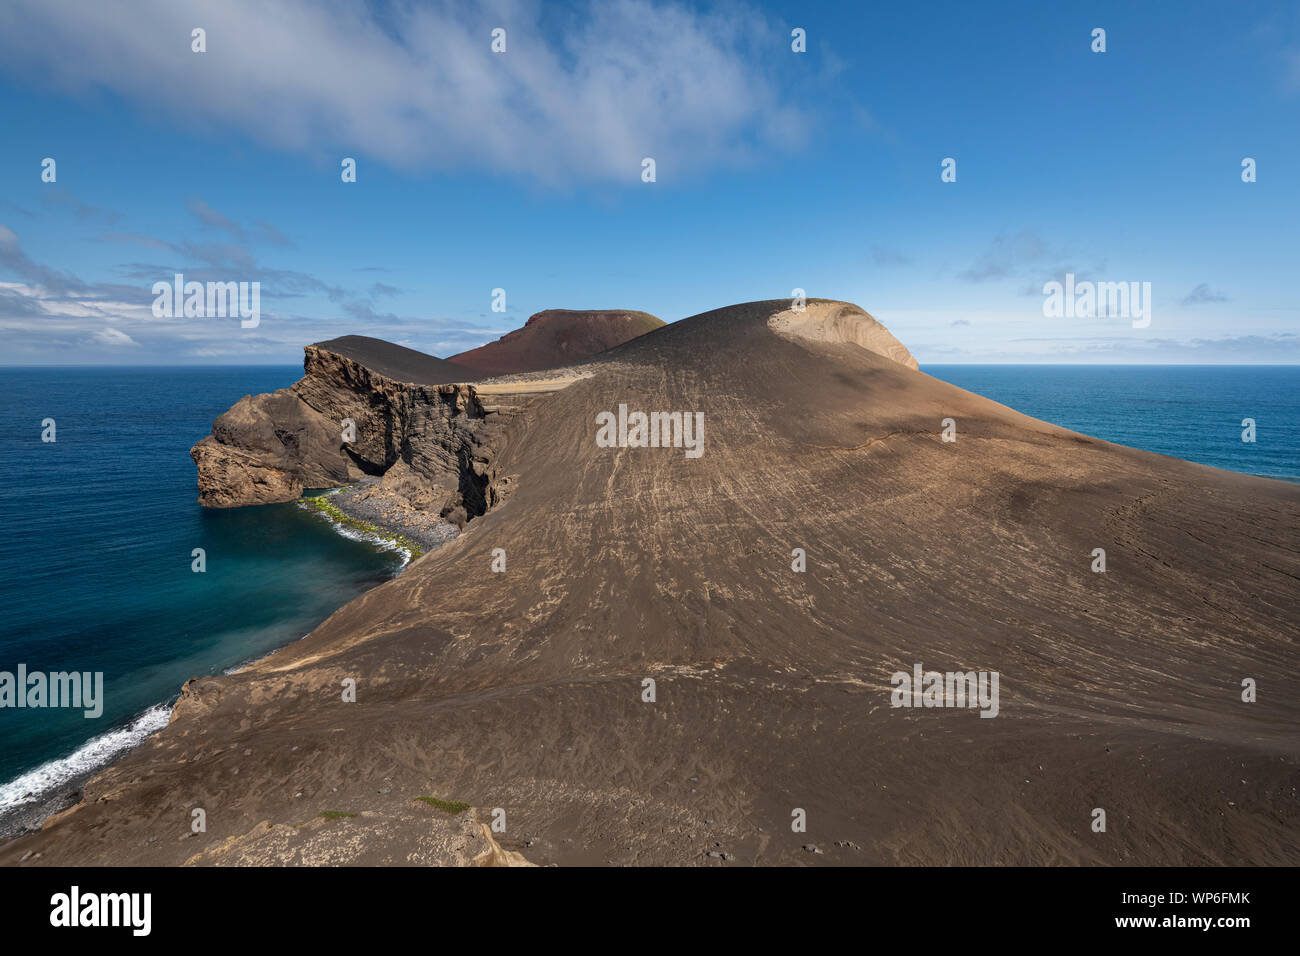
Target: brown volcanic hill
(526, 688)
(557, 337)
(396, 361)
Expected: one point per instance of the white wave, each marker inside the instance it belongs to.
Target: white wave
(384, 544)
(96, 752)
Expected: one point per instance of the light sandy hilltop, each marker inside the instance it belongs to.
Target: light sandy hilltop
(524, 689)
(838, 322)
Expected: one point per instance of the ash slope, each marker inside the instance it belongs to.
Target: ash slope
(556, 337)
(523, 690)
(396, 361)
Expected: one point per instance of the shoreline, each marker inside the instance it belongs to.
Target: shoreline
(26, 818)
(69, 774)
(367, 511)
(367, 514)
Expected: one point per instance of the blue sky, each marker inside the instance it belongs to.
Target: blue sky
(775, 170)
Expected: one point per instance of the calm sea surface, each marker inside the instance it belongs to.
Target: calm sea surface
(1188, 411)
(95, 559)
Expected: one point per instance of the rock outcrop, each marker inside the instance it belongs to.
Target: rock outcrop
(417, 420)
(436, 440)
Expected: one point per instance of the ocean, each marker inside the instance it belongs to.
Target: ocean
(1187, 411)
(96, 566)
(100, 525)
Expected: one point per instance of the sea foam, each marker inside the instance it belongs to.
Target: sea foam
(96, 752)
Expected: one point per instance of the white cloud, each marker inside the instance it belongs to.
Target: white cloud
(574, 97)
(42, 319)
(113, 338)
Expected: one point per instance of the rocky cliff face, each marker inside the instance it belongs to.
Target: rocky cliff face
(434, 444)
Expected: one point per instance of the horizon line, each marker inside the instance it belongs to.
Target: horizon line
(141, 365)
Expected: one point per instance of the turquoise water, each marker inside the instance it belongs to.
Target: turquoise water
(99, 526)
(95, 558)
(1188, 411)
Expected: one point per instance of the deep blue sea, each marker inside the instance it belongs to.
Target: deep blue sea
(99, 526)
(1188, 411)
(95, 559)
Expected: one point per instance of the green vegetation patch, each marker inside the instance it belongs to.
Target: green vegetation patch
(446, 806)
(322, 505)
(325, 815)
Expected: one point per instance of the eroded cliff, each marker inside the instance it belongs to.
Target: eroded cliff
(433, 444)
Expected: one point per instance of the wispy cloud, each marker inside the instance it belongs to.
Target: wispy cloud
(56, 315)
(1005, 256)
(210, 217)
(411, 85)
(1027, 258)
(261, 229)
(889, 256)
(113, 338)
(57, 197)
(273, 235)
(218, 262)
(1203, 293)
(14, 261)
